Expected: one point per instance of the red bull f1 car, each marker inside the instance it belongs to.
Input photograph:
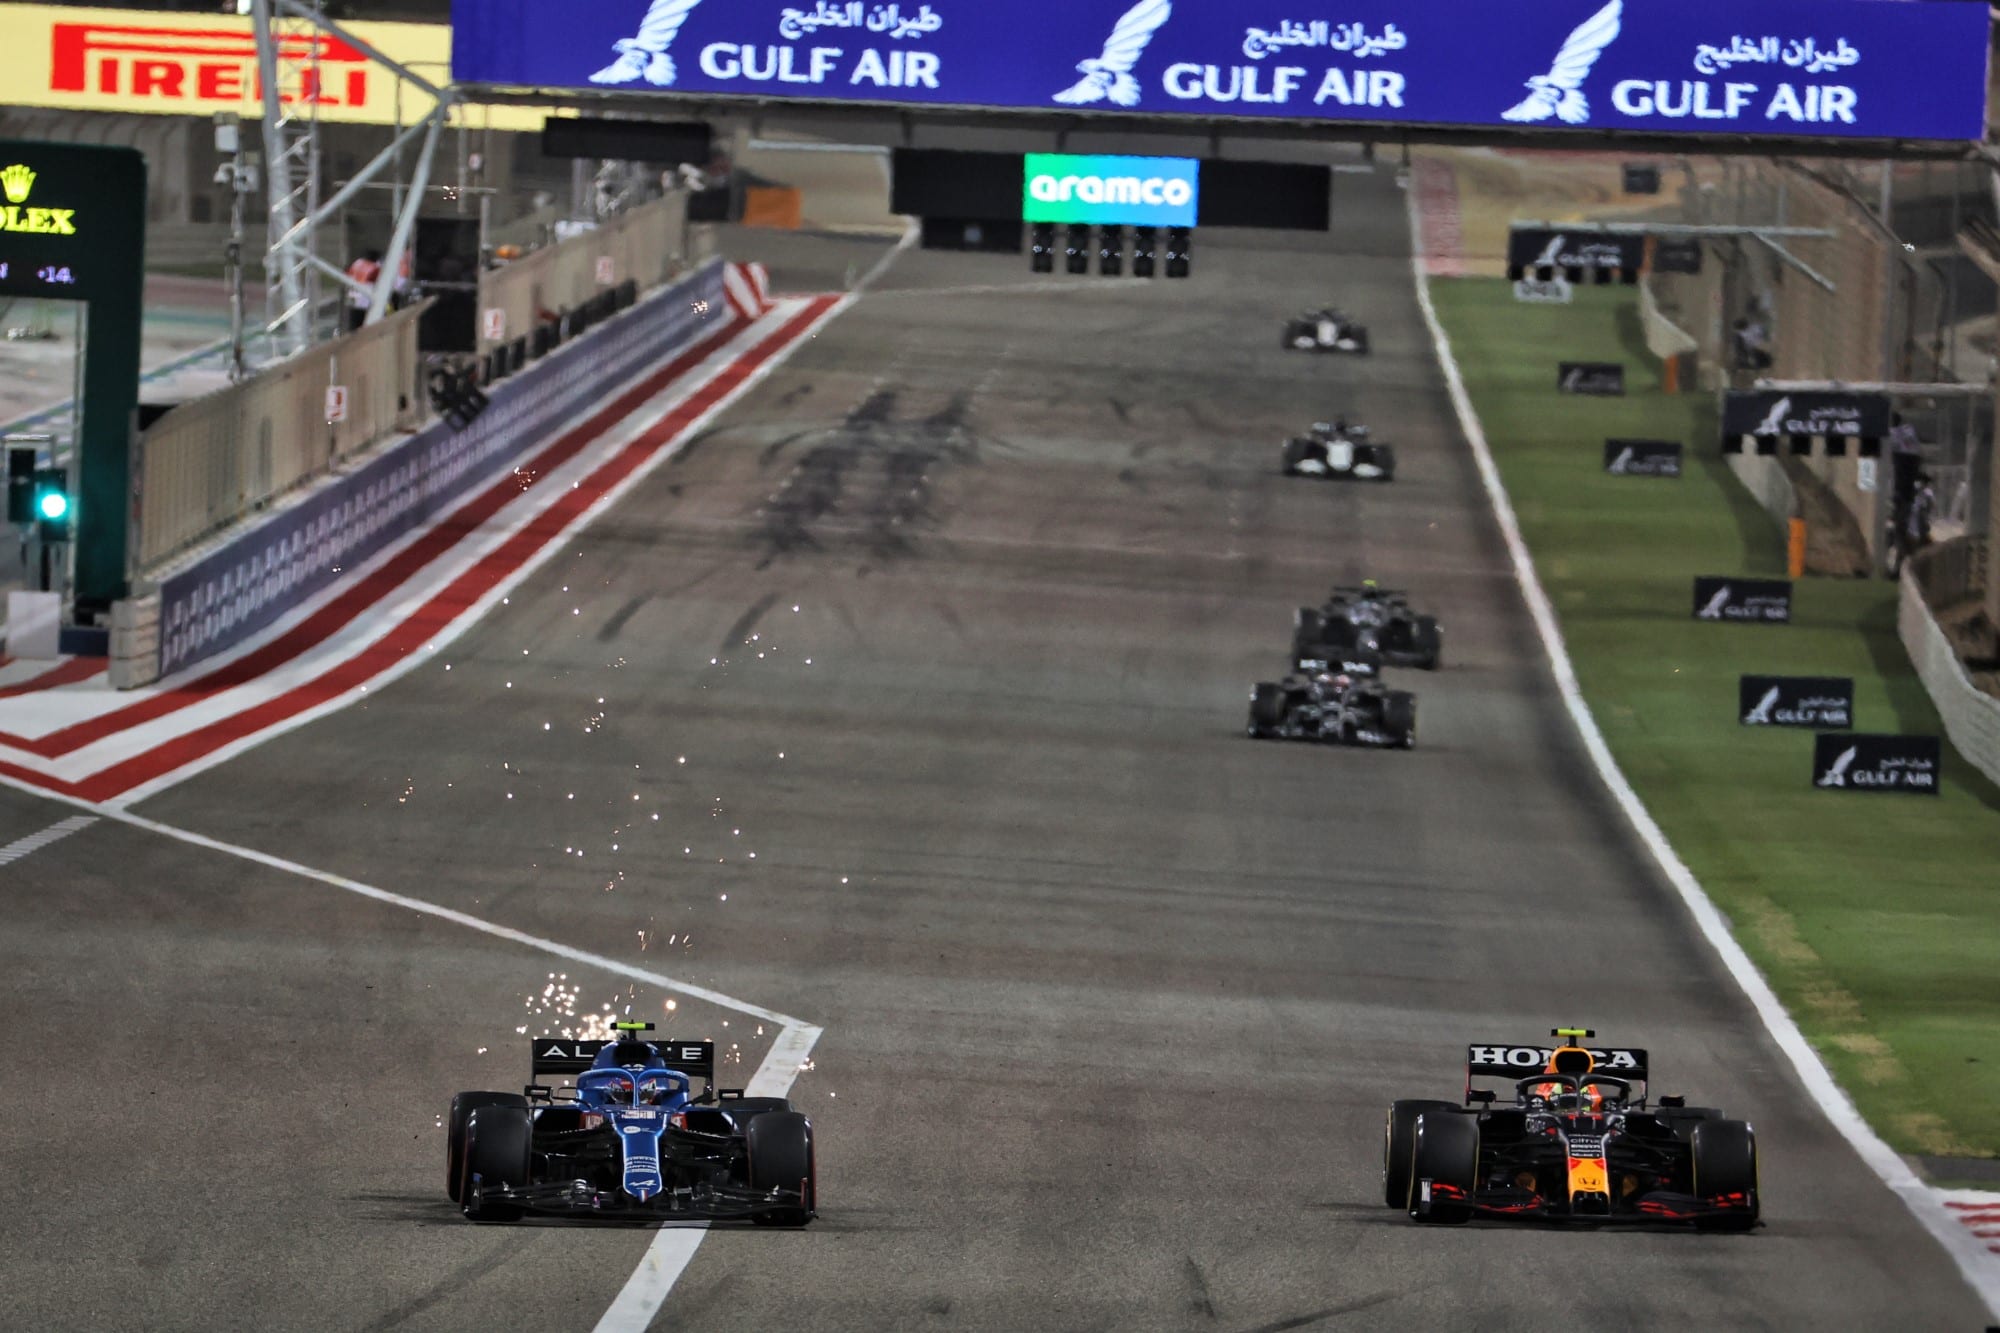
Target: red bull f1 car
(1576, 1142)
(628, 1139)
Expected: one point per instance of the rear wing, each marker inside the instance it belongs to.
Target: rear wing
(560, 1055)
(1498, 1060)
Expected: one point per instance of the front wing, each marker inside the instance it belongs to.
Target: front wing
(704, 1204)
(1660, 1207)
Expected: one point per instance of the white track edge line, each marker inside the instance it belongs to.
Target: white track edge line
(1974, 1263)
(34, 842)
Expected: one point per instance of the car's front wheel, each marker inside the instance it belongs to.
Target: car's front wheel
(779, 1145)
(498, 1140)
(462, 1107)
(1444, 1167)
(1724, 1170)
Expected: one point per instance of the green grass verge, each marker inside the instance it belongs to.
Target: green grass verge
(1876, 918)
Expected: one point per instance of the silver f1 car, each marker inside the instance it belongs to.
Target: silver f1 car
(1333, 706)
(1367, 619)
(1339, 450)
(1325, 330)
(1577, 1141)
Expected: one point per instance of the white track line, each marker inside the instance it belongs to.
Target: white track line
(1965, 1249)
(34, 842)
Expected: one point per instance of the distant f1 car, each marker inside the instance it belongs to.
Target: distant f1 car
(1341, 705)
(1326, 330)
(1337, 449)
(627, 1140)
(1367, 619)
(1577, 1142)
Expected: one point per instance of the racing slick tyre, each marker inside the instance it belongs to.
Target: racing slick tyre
(1267, 710)
(462, 1106)
(497, 1143)
(1399, 1137)
(1300, 338)
(1295, 453)
(1428, 639)
(1724, 1163)
(1399, 717)
(1360, 342)
(779, 1145)
(1445, 1152)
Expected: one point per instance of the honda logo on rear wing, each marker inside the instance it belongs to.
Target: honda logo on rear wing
(1519, 1061)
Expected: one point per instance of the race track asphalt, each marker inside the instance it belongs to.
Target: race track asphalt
(953, 623)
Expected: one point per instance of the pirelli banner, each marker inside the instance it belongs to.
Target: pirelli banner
(162, 63)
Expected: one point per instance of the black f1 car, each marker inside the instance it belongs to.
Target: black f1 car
(1337, 449)
(1325, 330)
(1576, 1143)
(1341, 705)
(627, 1139)
(1367, 619)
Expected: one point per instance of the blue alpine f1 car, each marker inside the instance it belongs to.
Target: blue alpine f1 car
(629, 1139)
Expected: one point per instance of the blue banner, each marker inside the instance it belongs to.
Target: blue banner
(1850, 69)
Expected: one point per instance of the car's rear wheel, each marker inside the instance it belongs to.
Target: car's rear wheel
(462, 1106)
(1724, 1169)
(1267, 710)
(498, 1140)
(1428, 639)
(779, 1146)
(1399, 1138)
(1444, 1155)
(1399, 717)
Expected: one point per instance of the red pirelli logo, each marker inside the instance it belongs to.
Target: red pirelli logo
(197, 65)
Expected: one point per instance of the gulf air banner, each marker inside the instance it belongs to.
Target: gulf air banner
(1847, 69)
(162, 63)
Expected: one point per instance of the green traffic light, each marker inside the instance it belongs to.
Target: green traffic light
(53, 505)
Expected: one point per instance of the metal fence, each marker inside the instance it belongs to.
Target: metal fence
(649, 245)
(210, 461)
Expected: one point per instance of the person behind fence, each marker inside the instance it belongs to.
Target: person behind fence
(1917, 526)
(363, 270)
(1752, 345)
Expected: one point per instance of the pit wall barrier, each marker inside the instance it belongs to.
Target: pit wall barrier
(646, 245)
(224, 596)
(1971, 717)
(210, 461)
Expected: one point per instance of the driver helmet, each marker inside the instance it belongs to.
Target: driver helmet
(1576, 1062)
(1333, 681)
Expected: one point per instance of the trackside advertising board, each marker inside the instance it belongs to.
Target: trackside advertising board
(180, 64)
(1140, 191)
(1848, 69)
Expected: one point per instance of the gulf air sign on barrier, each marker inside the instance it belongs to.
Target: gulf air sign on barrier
(1138, 191)
(1841, 69)
(150, 61)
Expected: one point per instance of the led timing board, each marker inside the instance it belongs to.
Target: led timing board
(1086, 188)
